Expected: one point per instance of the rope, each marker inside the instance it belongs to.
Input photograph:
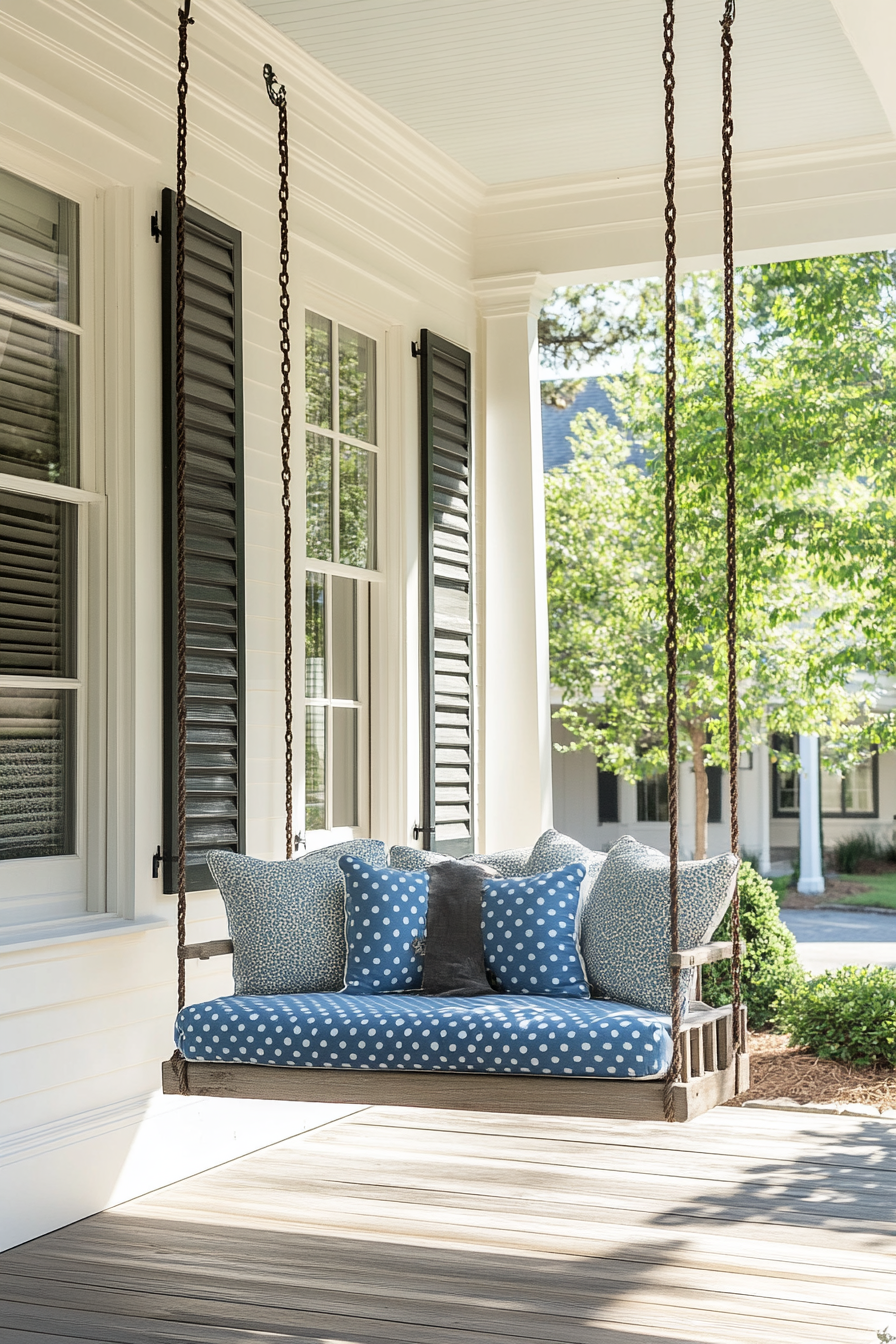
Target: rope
(731, 493)
(180, 400)
(278, 98)
(670, 465)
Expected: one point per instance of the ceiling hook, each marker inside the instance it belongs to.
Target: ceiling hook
(278, 95)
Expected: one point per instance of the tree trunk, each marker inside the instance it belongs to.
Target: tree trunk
(697, 735)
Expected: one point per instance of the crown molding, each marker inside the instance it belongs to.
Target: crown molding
(511, 295)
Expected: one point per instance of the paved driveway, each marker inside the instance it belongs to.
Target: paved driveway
(827, 939)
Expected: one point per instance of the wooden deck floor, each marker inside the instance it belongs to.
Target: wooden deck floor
(428, 1227)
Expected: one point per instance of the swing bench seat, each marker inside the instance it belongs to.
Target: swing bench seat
(494, 1075)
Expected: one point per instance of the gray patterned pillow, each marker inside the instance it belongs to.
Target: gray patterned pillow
(625, 926)
(508, 862)
(287, 918)
(552, 850)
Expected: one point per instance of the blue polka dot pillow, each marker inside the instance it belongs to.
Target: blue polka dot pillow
(385, 914)
(287, 918)
(626, 926)
(530, 932)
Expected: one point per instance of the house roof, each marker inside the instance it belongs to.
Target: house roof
(556, 425)
(516, 90)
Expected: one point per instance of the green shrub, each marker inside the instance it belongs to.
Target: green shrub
(848, 853)
(770, 964)
(849, 1014)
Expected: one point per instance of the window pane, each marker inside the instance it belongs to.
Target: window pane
(37, 587)
(315, 767)
(831, 792)
(345, 767)
(858, 792)
(345, 646)
(38, 401)
(319, 497)
(38, 248)
(318, 371)
(37, 796)
(357, 506)
(315, 637)
(653, 798)
(357, 385)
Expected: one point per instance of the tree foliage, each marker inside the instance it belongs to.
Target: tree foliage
(816, 416)
(580, 323)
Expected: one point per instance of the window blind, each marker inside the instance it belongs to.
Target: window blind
(446, 607)
(215, 552)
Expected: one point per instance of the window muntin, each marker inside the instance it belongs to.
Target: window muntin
(41, 663)
(785, 783)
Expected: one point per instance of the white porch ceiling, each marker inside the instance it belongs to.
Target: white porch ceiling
(518, 90)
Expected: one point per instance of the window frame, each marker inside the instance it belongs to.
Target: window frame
(779, 813)
(53, 887)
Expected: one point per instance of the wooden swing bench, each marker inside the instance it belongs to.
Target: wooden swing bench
(711, 1072)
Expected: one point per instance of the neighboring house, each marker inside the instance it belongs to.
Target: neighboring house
(597, 807)
(556, 425)
(440, 182)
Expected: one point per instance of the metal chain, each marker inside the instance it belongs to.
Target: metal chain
(670, 465)
(180, 403)
(278, 98)
(731, 494)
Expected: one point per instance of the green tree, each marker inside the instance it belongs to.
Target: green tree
(581, 322)
(816, 601)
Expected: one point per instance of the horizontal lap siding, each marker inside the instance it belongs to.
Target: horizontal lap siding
(214, 548)
(447, 598)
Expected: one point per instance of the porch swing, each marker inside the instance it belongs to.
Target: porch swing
(709, 1059)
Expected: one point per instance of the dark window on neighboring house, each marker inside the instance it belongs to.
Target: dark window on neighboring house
(607, 797)
(785, 783)
(653, 798)
(714, 789)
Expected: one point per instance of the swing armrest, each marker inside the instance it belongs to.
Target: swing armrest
(703, 955)
(220, 947)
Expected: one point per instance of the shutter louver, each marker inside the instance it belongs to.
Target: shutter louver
(446, 581)
(214, 576)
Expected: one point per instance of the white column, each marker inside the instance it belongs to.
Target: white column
(762, 765)
(514, 678)
(811, 879)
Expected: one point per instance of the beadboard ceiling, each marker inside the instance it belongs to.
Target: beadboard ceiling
(518, 90)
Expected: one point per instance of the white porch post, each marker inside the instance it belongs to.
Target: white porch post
(515, 722)
(811, 879)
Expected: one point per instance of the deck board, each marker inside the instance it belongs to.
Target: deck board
(432, 1227)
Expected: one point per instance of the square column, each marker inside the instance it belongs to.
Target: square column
(811, 878)
(515, 703)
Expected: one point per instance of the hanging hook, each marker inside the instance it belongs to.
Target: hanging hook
(729, 14)
(184, 14)
(277, 96)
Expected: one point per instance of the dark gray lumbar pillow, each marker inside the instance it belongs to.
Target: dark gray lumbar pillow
(454, 958)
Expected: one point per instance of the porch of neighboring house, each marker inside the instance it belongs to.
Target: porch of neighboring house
(437, 1228)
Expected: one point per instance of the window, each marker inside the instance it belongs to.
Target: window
(43, 524)
(340, 539)
(714, 791)
(852, 794)
(785, 783)
(653, 798)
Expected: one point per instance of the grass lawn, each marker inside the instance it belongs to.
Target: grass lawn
(880, 890)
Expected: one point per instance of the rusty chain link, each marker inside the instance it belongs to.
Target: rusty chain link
(670, 509)
(180, 403)
(278, 98)
(731, 495)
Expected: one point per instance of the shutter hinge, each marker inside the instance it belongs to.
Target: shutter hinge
(157, 860)
(154, 227)
(415, 349)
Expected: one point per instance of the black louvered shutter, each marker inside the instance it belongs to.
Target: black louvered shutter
(215, 579)
(446, 580)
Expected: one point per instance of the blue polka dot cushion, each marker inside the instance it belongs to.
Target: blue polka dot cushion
(494, 1034)
(530, 932)
(385, 914)
(626, 927)
(287, 919)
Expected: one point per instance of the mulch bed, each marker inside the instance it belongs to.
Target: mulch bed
(778, 1069)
